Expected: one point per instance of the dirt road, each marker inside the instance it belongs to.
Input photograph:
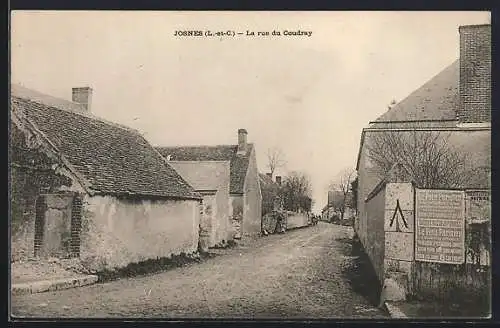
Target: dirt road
(294, 275)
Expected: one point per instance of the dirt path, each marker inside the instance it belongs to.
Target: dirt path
(294, 275)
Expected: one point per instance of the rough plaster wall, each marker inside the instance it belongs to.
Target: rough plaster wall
(225, 230)
(231, 228)
(117, 232)
(211, 175)
(375, 239)
(368, 179)
(252, 215)
(32, 172)
(208, 224)
(296, 221)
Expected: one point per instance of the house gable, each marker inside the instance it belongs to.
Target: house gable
(238, 163)
(203, 176)
(109, 159)
(30, 149)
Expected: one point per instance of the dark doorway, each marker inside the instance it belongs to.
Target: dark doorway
(57, 226)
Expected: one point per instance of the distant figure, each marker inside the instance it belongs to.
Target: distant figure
(315, 219)
(280, 222)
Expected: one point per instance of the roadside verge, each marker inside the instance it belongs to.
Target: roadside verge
(52, 285)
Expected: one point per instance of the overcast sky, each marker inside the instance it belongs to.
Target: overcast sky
(309, 96)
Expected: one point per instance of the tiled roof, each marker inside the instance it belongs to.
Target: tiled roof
(114, 160)
(25, 93)
(238, 163)
(438, 99)
(265, 180)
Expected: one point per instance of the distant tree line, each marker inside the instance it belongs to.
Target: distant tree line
(295, 191)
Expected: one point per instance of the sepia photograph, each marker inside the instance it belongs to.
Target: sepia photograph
(278, 165)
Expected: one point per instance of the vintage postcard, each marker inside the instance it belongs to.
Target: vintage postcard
(255, 165)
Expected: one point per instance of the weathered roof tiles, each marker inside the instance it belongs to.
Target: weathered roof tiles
(114, 160)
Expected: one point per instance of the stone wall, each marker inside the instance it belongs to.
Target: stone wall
(368, 177)
(208, 223)
(390, 244)
(33, 171)
(297, 221)
(211, 178)
(375, 239)
(224, 227)
(252, 215)
(117, 232)
(399, 226)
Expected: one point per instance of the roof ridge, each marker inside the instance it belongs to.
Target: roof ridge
(85, 184)
(178, 177)
(474, 25)
(417, 91)
(81, 113)
(102, 165)
(209, 146)
(193, 146)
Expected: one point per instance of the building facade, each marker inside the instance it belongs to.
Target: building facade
(245, 196)
(211, 180)
(85, 188)
(454, 107)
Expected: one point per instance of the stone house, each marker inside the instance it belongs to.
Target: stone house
(245, 198)
(86, 188)
(211, 180)
(456, 104)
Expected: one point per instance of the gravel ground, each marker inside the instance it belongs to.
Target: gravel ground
(299, 274)
(30, 271)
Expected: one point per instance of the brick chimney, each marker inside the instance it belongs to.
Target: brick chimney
(83, 95)
(242, 141)
(475, 74)
(278, 180)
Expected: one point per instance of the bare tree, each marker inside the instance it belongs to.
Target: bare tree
(427, 157)
(275, 159)
(297, 191)
(343, 185)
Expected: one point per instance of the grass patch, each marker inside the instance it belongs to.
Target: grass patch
(464, 308)
(224, 244)
(149, 266)
(463, 303)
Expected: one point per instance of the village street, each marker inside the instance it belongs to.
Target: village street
(299, 274)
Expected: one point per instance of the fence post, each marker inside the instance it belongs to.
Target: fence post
(399, 229)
